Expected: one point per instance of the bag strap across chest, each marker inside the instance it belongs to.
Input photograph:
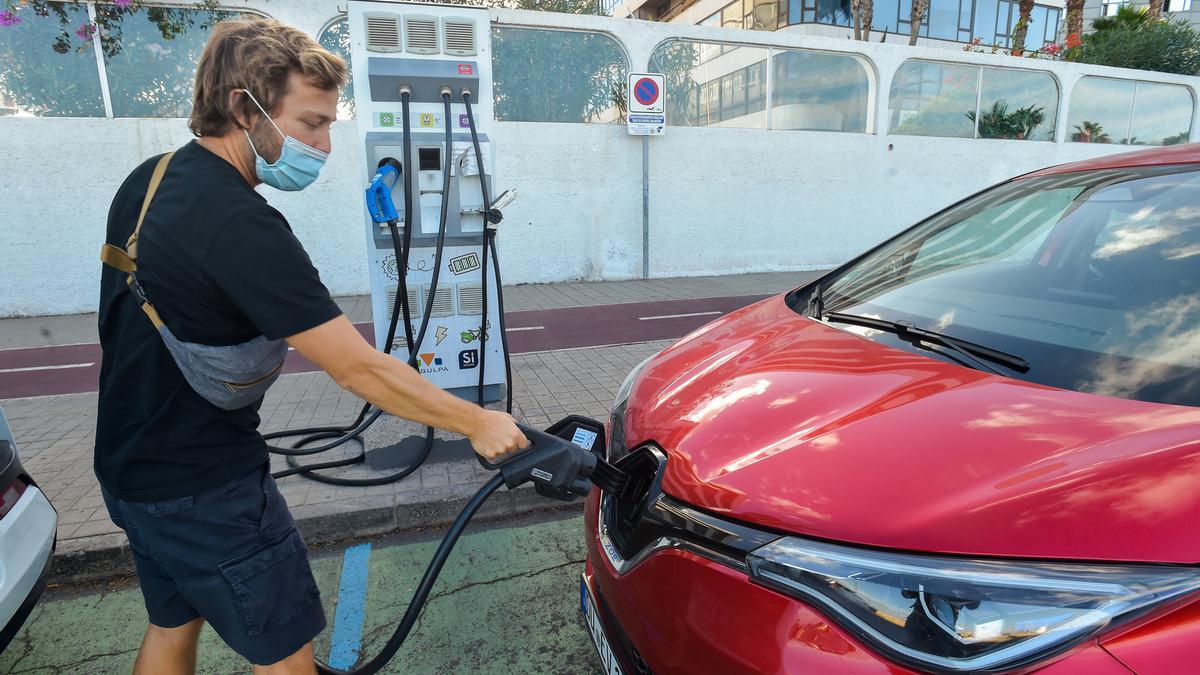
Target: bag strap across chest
(125, 259)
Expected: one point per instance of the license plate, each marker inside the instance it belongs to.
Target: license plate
(591, 617)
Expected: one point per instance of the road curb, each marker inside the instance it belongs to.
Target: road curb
(107, 555)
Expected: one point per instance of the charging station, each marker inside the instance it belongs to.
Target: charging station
(427, 48)
(423, 51)
(417, 71)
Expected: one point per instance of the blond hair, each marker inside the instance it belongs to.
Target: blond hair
(259, 55)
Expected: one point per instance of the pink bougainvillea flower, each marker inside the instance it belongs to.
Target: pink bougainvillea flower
(9, 18)
(1073, 41)
(86, 31)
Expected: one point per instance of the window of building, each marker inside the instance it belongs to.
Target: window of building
(731, 16)
(809, 90)
(934, 99)
(959, 101)
(582, 77)
(957, 20)
(1162, 114)
(819, 91)
(1017, 105)
(943, 19)
(1100, 108)
(752, 15)
(44, 78)
(834, 12)
(149, 60)
(1129, 112)
(708, 87)
(150, 57)
(335, 37)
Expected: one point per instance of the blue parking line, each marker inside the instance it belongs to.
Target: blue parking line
(346, 643)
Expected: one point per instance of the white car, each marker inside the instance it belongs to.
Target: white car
(28, 534)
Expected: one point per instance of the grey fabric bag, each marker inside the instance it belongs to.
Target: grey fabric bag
(229, 376)
(232, 376)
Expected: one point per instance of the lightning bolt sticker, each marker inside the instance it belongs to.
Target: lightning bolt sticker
(441, 334)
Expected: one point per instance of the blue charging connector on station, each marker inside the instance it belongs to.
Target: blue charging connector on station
(379, 191)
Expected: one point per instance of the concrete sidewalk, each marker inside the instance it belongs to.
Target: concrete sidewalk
(56, 433)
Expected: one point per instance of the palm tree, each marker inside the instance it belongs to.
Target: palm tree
(1154, 11)
(1025, 9)
(1126, 17)
(1075, 17)
(1090, 132)
(1017, 125)
(864, 14)
(919, 7)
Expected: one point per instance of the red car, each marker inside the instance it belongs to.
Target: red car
(975, 448)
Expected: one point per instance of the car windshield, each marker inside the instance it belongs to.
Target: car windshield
(1092, 277)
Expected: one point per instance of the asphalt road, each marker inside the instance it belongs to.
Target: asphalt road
(506, 602)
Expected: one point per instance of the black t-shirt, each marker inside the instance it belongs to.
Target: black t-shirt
(222, 267)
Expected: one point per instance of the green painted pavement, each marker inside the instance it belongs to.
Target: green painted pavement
(507, 601)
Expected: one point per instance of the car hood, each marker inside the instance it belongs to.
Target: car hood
(772, 418)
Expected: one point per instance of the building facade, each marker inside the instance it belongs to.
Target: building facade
(949, 23)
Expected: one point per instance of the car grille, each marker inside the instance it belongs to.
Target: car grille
(644, 519)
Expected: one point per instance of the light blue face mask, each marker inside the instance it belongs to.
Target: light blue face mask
(298, 164)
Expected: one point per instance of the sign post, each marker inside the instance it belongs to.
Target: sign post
(647, 101)
(647, 104)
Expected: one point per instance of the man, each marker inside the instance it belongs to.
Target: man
(187, 480)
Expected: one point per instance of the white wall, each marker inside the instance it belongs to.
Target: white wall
(722, 201)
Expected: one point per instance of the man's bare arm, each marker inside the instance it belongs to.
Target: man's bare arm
(398, 389)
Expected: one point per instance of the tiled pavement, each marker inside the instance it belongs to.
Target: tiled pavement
(55, 433)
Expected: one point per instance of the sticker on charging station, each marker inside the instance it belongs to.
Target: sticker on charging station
(584, 438)
(465, 263)
(464, 155)
(392, 120)
(428, 120)
(433, 364)
(647, 104)
(468, 359)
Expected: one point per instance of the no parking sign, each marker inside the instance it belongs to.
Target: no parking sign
(647, 100)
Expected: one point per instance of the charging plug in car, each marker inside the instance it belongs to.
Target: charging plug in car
(559, 465)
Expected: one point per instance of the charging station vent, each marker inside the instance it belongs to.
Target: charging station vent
(383, 32)
(422, 34)
(443, 301)
(414, 306)
(470, 298)
(460, 37)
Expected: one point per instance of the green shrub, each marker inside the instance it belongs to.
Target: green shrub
(1164, 46)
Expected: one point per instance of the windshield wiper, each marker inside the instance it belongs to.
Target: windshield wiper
(816, 303)
(905, 330)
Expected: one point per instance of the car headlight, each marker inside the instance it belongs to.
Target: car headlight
(957, 614)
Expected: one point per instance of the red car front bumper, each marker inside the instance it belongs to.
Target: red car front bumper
(678, 612)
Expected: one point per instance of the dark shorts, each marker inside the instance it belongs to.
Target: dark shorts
(231, 555)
